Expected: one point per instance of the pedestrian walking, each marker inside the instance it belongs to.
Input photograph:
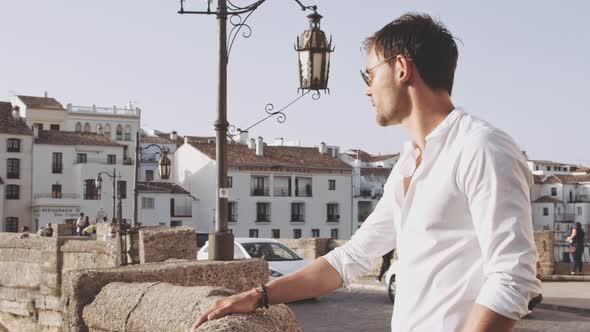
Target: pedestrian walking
(576, 248)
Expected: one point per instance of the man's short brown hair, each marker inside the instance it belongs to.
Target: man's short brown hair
(425, 41)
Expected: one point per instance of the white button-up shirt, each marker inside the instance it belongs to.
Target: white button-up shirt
(463, 231)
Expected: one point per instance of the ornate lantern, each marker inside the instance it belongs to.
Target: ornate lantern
(314, 56)
(164, 165)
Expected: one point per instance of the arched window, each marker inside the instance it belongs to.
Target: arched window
(119, 133)
(127, 133)
(87, 127)
(107, 130)
(78, 127)
(99, 129)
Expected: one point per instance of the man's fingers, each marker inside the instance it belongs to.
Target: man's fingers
(213, 312)
(217, 314)
(199, 321)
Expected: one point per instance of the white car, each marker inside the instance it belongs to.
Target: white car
(390, 280)
(281, 260)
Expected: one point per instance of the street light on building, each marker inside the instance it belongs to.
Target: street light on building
(98, 187)
(164, 170)
(314, 64)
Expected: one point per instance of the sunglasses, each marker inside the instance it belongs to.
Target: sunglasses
(365, 74)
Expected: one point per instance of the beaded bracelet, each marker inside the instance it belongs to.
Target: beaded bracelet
(264, 296)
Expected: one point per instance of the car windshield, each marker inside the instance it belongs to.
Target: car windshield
(270, 251)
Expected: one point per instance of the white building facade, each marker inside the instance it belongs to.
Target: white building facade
(164, 204)
(274, 191)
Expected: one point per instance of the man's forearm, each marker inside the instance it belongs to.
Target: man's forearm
(314, 280)
(483, 319)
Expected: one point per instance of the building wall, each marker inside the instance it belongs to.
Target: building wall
(160, 215)
(17, 208)
(47, 209)
(150, 158)
(539, 220)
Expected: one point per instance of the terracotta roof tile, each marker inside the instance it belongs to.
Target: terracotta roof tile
(161, 187)
(547, 199)
(41, 102)
(239, 154)
(73, 138)
(10, 125)
(156, 140)
(375, 171)
(562, 178)
(367, 157)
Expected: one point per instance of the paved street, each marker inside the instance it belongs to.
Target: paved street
(370, 310)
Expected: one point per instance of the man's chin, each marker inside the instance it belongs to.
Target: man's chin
(383, 122)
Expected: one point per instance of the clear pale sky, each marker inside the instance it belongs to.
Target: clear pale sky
(523, 65)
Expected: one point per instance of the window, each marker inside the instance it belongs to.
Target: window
(54, 127)
(107, 130)
(56, 191)
(127, 133)
(82, 158)
(331, 184)
(12, 191)
(545, 211)
(579, 210)
(253, 232)
(297, 211)
(13, 145)
(258, 186)
(537, 168)
(13, 168)
(99, 129)
(87, 127)
(555, 168)
(297, 233)
(333, 212)
(230, 182)
(232, 211)
(119, 133)
(38, 125)
(56, 163)
(276, 233)
(548, 168)
(262, 212)
(149, 175)
(334, 233)
(175, 223)
(315, 232)
(90, 192)
(78, 127)
(11, 225)
(147, 203)
(122, 189)
(553, 191)
(558, 211)
(111, 159)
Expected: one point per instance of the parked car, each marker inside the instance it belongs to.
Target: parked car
(281, 260)
(390, 280)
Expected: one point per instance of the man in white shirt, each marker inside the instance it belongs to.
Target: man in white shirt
(456, 205)
(80, 224)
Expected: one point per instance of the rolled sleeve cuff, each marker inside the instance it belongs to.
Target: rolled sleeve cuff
(507, 299)
(348, 267)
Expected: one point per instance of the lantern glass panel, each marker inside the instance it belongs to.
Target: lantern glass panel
(305, 69)
(317, 68)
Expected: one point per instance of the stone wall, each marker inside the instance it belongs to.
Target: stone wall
(164, 307)
(80, 287)
(157, 244)
(309, 248)
(544, 243)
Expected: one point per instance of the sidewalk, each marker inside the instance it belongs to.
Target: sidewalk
(567, 296)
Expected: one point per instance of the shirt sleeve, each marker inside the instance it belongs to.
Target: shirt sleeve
(375, 238)
(495, 178)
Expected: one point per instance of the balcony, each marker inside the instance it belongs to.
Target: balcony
(297, 218)
(281, 192)
(104, 110)
(182, 212)
(303, 192)
(333, 218)
(56, 195)
(565, 217)
(260, 192)
(104, 161)
(13, 175)
(262, 217)
(232, 217)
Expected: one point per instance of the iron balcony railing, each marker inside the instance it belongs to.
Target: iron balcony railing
(297, 217)
(262, 217)
(259, 192)
(333, 218)
(104, 161)
(57, 195)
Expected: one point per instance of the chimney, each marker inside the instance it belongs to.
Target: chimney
(35, 131)
(185, 139)
(251, 144)
(279, 141)
(16, 113)
(45, 94)
(322, 148)
(174, 135)
(259, 146)
(243, 137)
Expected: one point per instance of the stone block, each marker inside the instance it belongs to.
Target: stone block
(80, 287)
(64, 229)
(48, 302)
(158, 244)
(50, 318)
(165, 307)
(17, 308)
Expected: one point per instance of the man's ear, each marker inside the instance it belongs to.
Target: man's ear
(405, 71)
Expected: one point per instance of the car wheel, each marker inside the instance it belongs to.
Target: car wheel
(392, 289)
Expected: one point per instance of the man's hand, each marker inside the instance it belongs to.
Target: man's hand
(245, 302)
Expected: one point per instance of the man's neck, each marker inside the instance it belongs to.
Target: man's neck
(426, 113)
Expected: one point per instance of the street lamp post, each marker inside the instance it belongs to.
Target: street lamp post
(119, 209)
(98, 186)
(164, 168)
(314, 51)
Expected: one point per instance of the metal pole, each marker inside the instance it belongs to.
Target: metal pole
(136, 178)
(114, 193)
(221, 243)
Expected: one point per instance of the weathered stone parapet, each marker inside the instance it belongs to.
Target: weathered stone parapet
(157, 244)
(80, 287)
(165, 307)
(544, 243)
